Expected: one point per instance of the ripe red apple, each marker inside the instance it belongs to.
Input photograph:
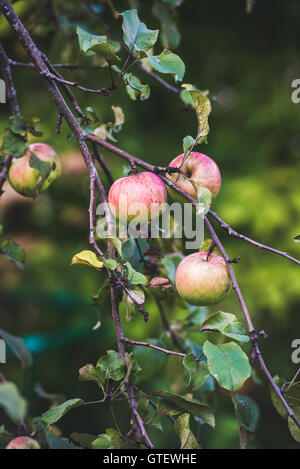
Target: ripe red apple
(25, 179)
(201, 169)
(135, 195)
(23, 442)
(202, 282)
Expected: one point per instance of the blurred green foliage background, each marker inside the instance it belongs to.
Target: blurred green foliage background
(248, 63)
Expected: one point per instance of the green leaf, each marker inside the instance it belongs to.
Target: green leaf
(137, 294)
(247, 413)
(195, 408)
(203, 109)
(112, 366)
(111, 264)
(170, 36)
(228, 364)
(294, 429)
(168, 62)
(190, 365)
(109, 440)
(13, 404)
(133, 368)
(102, 301)
(87, 258)
(136, 88)
(134, 277)
(205, 246)
(188, 143)
(171, 264)
(43, 167)
(13, 144)
(91, 373)
(136, 35)
(227, 324)
(117, 244)
(292, 396)
(53, 441)
(197, 371)
(83, 439)
(13, 252)
(204, 197)
(91, 44)
(18, 347)
(55, 414)
(20, 127)
(182, 428)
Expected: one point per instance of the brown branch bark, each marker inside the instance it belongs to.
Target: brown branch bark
(235, 234)
(12, 98)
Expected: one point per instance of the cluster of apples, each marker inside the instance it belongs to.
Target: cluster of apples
(200, 279)
(25, 179)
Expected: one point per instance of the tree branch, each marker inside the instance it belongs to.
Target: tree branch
(12, 98)
(235, 234)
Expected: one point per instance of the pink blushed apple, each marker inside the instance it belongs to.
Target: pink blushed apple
(23, 442)
(137, 195)
(202, 282)
(201, 169)
(25, 179)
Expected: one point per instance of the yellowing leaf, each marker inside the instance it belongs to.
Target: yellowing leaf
(88, 258)
(203, 109)
(119, 115)
(101, 132)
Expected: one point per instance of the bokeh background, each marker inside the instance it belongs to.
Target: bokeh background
(248, 63)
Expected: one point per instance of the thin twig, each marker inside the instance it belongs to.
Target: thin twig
(235, 234)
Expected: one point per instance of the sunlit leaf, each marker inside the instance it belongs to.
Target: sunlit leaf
(87, 258)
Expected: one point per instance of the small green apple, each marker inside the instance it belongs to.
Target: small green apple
(25, 179)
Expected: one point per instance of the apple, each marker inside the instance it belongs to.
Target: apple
(202, 282)
(137, 195)
(23, 442)
(25, 179)
(199, 168)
